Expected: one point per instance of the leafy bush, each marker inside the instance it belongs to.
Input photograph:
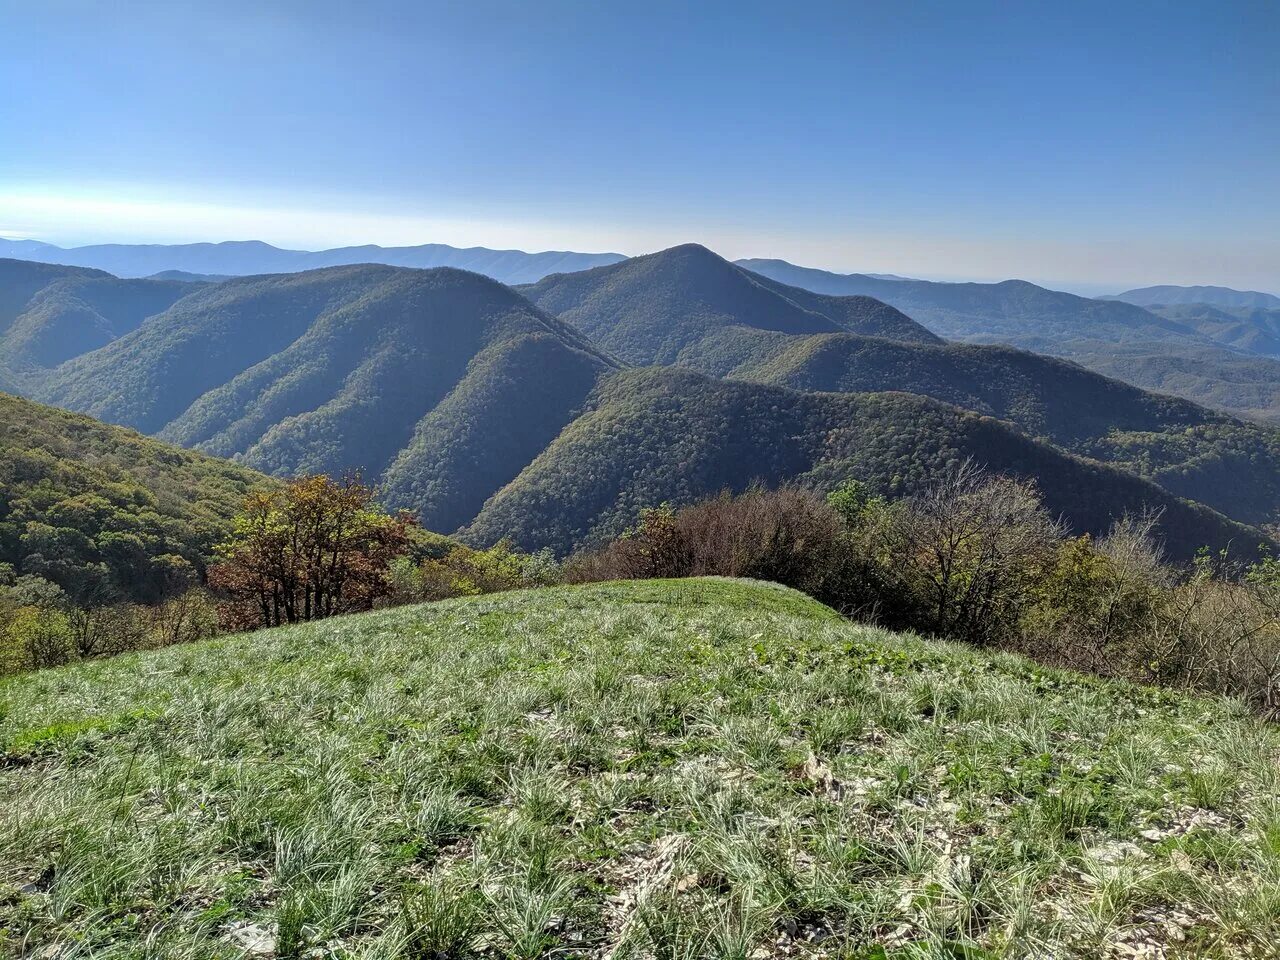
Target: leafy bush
(41, 627)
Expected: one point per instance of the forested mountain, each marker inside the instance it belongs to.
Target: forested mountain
(447, 388)
(50, 313)
(242, 258)
(1250, 329)
(1213, 296)
(649, 309)
(689, 307)
(1203, 455)
(1167, 353)
(670, 434)
(441, 384)
(1013, 311)
(106, 513)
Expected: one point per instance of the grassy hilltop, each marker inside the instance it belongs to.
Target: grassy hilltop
(697, 768)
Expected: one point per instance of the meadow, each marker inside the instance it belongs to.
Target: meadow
(665, 769)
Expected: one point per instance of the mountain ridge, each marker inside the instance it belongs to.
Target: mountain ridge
(1168, 294)
(447, 387)
(252, 257)
(693, 434)
(342, 369)
(1209, 364)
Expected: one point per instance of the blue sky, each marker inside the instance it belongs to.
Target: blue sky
(1110, 144)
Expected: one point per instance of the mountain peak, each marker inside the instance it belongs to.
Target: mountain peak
(652, 308)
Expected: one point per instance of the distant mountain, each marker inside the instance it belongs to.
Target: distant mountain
(440, 384)
(668, 434)
(50, 313)
(1114, 338)
(1213, 296)
(649, 309)
(1249, 329)
(190, 277)
(1013, 311)
(243, 258)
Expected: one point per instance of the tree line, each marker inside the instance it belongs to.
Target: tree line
(973, 556)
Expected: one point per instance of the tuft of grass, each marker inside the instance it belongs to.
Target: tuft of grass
(687, 769)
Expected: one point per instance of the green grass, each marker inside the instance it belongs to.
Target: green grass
(662, 769)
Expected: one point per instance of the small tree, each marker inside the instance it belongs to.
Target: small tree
(308, 550)
(968, 545)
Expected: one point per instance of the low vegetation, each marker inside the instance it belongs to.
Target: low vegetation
(977, 557)
(699, 768)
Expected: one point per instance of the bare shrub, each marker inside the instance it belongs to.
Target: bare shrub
(1095, 600)
(790, 536)
(968, 547)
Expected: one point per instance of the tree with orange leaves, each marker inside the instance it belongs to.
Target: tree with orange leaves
(310, 549)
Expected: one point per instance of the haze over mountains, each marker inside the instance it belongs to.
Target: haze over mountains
(242, 258)
(1227, 365)
(502, 412)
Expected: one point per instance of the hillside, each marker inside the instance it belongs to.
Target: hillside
(442, 384)
(678, 768)
(1199, 454)
(49, 314)
(649, 309)
(669, 434)
(1222, 297)
(1112, 337)
(689, 307)
(242, 258)
(1249, 329)
(103, 511)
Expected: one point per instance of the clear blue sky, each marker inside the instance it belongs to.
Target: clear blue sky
(1110, 143)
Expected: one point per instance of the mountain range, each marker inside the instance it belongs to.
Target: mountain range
(1140, 336)
(1224, 365)
(513, 412)
(246, 257)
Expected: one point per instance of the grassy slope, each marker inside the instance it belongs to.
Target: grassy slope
(720, 768)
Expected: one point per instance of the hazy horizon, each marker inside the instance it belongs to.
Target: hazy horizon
(1082, 288)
